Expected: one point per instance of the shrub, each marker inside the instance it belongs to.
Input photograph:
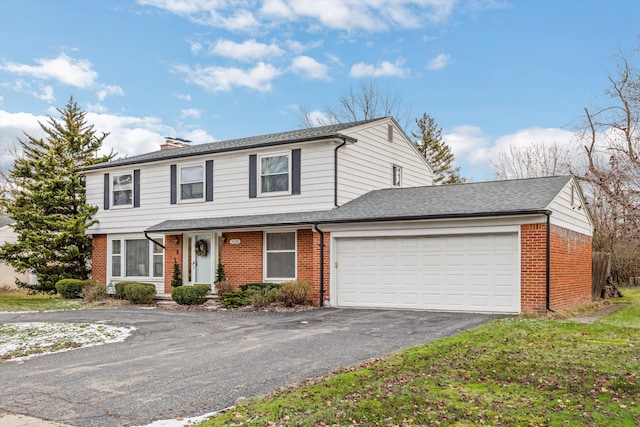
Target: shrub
(235, 299)
(259, 286)
(224, 287)
(297, 292)
(120, 289)
(140, 293)
(69, 288)
(261, 297)
(190, 295)
(176, 279)
(94, 291)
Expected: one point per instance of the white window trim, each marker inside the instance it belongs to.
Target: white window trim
(111, 190)
(264, 255)
(259, 174)
(204, 183)
(393, 176)
(123, 258)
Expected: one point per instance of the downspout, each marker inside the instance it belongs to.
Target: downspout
(315, 227)
(548, 263)
(335, 172)
(154, 241)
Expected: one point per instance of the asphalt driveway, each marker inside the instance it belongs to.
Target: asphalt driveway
(187, 363)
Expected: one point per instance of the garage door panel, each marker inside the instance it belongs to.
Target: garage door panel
(463, 273)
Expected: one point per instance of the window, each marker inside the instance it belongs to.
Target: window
(396, 179)
(137, 258)
(158, 259)
(116, 258)
(274, 173)
(280, 253)
(122, 193)
(191, 182)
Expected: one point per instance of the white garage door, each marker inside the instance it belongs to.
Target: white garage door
(457, 273)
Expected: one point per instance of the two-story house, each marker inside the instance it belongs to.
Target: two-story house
(349, 207)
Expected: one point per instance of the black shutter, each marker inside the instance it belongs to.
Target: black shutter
(208, 168)
(253, 176)
(295, 171)
(174, 184)
(136, 188)
(107, 194)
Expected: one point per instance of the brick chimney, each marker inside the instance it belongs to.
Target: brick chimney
(171, 143)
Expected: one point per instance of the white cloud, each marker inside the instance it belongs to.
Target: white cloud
(318, 118)
(198, 136)
(183, 96)
(310, 68)
(47, 94)
(191, 112)
(66, 70)
(107, 90)
(196, 47)
(439, 62)
(385, 69)
(220, 79)
(96, 108)
(246, 51)
(347, 15)
(13, 126)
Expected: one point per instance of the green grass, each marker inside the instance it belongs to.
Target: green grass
(513, 372)
(21, 301)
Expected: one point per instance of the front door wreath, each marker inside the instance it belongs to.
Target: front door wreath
(202, 247)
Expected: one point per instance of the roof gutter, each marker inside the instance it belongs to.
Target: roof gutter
(548, 264)
(315, 227)
(335, 172)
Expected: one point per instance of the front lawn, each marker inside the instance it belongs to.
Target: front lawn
(22, 301)
(510, 372)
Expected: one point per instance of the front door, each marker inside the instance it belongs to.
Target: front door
(200, 254)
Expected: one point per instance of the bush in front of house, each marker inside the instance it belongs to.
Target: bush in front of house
(235, 299)
(224, 287)
(297, 292)
(259, 286)
(139, 293)
(262, 297)
(120, 289)
(190, 295)
(94, 291)
(70, 288)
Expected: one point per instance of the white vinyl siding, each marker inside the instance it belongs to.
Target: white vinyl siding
(364, 165)
(231, 177)
(572, 216)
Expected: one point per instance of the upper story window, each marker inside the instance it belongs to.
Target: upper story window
(122, 190)
(274, 173)
(396, 176)
(192, 182)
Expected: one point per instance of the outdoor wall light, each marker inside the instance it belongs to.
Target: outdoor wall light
(224, 239)
(177, 240)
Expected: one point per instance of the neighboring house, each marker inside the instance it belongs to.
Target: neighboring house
(351, 208)
(8, 275)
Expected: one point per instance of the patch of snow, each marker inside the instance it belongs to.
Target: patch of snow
(180, 422)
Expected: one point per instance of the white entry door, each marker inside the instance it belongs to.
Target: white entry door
(200, 256)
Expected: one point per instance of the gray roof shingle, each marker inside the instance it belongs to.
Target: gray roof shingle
(492, 198)
(289, 137)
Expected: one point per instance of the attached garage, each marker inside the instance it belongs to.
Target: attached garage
(469, 272)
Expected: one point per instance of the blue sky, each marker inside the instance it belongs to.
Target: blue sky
(490, 72)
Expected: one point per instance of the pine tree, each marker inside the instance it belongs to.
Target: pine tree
(176, 279)
(48, 201)
(438, 154)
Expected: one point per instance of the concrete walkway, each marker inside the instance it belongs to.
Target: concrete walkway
(598, 314)
(13, 420)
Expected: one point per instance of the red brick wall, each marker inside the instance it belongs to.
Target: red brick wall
(99, 258)
(570, 268)
(570, 279)
(172, 253)
(242, 262)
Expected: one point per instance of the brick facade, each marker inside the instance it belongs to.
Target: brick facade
(172, 254)
(570, 259)
(99, 258)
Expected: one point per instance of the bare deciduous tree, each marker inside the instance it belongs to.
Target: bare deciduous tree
(533, 160)
(369, 101)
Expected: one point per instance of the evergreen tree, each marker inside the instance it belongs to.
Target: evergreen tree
(438, 154)
(48, 201)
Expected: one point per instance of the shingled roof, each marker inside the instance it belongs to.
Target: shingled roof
(281, 138)
(477, 199)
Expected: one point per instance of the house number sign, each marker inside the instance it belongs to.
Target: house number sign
(234, 241)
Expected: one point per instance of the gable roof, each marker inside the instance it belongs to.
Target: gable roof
(281, 138)
(476, 199)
